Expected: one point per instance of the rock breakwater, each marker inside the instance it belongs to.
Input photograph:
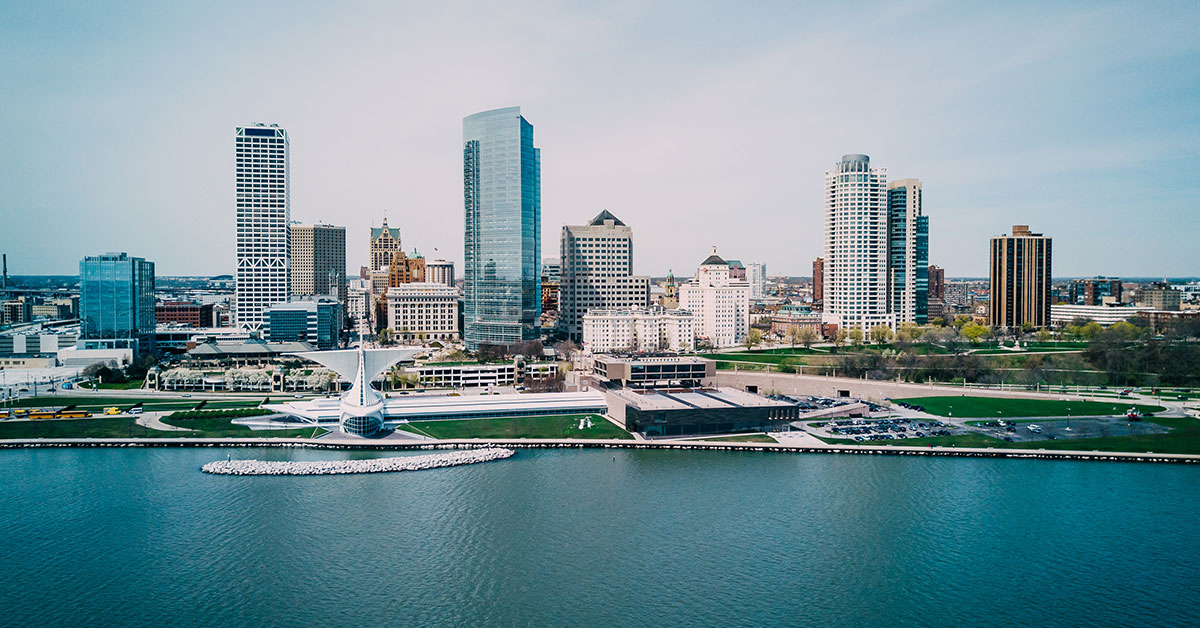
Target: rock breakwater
(374, 465)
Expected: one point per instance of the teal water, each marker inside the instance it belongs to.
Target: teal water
(139, 537)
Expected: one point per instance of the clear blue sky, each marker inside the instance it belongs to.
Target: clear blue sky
(698, 124)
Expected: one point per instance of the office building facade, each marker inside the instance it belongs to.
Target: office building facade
(856, 245)
(421, 312)
(1161, 296)
(502, 239)
(116, 303)
(597, 272)
(263, 273)
(1094, 291)
(315, 320)
(908, 253)
(318, 260)
(1020, 279)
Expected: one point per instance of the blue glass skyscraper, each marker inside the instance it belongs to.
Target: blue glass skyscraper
(116, 302)
(908, 252)
(502, 193)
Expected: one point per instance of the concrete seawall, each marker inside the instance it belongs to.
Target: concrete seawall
(341, 467)
(957, 452)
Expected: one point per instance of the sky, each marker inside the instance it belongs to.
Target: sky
(699, 124)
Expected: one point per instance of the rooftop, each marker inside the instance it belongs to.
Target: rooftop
(693, 398)
(603, 216)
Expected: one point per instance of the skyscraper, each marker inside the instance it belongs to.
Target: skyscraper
(856, 245)
(502, 240)
(937, 291)
(597, 272)
(1020, 279)
(937, 282)
(385, 243)
(756, 275)
(720, 303)
(908, 253)
(116, 302)
(263, 216)
(319, 261)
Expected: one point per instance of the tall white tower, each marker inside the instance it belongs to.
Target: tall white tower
(856, 245)
(263, 214)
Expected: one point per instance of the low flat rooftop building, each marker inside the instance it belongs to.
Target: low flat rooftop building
(1105, 315)
(687, 411)
(253, 350)
(649, 371)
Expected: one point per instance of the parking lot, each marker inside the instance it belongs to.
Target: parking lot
(1058, 428)
(894, 428)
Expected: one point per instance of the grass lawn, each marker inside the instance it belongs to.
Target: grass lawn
(993, 407)
(1184, 438)
(149, 403)
(117, 385)
(125, 427)
(563, 426)
(744, 438)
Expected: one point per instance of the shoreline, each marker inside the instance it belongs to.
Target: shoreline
(953, 452)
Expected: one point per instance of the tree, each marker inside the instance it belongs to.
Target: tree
(880, 334)
(841, 338)
(795, 335)
(1090, 330)
(753, 339)
(1043, 335)
(909, 331)
(962, 320)
(856, 336)
(975, 332)
(808, 336)
(566, 349)
(938, 322)
(385, 336)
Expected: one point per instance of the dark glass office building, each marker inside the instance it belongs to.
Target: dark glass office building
(502, 240)
(908, 252)
(116, 302)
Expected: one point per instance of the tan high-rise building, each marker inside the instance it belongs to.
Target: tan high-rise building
(318, 260)
(597, 271)
(1020, 279)
(385, 243)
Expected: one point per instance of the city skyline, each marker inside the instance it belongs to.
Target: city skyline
(717, 133)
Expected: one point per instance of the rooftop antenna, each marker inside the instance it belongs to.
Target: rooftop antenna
(5, 285)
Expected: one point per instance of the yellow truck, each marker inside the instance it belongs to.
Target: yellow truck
(112, 411)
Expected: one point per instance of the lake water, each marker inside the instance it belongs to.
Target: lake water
(139, 537)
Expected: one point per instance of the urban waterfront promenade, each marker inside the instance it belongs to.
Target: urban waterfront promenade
(809, 447)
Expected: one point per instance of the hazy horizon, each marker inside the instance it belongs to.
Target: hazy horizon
(698, 126)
